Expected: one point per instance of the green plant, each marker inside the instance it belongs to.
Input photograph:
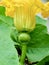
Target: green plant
(34, 45)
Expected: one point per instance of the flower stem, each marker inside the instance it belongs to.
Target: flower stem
(22, 58)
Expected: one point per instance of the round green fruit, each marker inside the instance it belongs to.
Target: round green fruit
(24, 37)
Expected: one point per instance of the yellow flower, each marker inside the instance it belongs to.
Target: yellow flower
(23, 12)
(11, 5)
(24, 19)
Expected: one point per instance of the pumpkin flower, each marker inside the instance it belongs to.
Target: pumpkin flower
(23, 12)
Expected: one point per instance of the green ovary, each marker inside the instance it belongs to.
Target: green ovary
(24, 37)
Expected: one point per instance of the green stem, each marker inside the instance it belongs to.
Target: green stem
(22, 58)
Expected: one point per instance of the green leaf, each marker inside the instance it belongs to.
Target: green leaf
(37, 54)
(39, 37)
(2, 10)
(7, 20)
(40, 20)
(8, 53)
(44, 61)
(38, 48)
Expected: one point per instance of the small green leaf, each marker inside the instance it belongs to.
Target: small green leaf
(14, 35)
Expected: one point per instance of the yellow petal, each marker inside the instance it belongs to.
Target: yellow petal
(12, 4)
(45, 12)
(24, 19)
(39, 4)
